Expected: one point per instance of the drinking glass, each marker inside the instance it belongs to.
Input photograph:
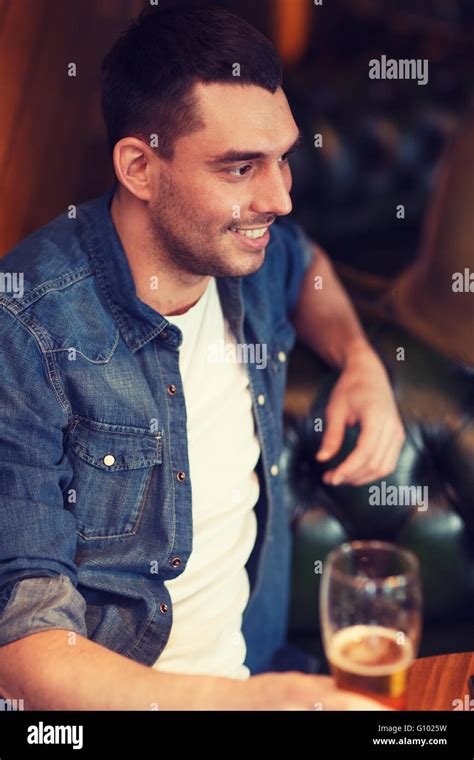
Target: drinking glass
(371, 611)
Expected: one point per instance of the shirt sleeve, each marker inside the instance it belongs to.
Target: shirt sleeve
(38, 575)
(300, 256)
(39, 604)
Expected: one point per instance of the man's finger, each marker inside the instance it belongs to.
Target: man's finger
(390, 445)
(385, 459)
(390, 461)
(334, 434)
(358, 460)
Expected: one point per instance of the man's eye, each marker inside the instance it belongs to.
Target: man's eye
(238, 168)
(236, 172)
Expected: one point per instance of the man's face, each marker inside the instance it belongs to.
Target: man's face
(202, 196)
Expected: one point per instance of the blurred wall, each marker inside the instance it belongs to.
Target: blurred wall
(51, 132)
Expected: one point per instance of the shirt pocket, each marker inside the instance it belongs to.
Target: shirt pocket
(112, 466)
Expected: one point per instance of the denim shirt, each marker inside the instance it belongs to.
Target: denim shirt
(95, 488)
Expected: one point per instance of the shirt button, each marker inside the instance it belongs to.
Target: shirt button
(181, 476)
(163, 608)
(176, 562)
(171, 389)
(274, 469)
(164, 334)
(109, 460)
(261, 399)
(282, 356)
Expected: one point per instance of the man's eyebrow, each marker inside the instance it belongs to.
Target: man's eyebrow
(233, 156)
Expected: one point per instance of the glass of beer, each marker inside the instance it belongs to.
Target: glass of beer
(370, 609)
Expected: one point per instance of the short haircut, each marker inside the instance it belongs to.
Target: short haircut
(149, 73)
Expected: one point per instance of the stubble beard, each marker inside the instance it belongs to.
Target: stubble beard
(188, 251)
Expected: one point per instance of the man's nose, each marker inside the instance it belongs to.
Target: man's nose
(272, 195)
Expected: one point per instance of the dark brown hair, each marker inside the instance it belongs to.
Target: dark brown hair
(149, 73)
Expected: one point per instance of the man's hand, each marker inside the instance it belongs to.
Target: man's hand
(325, 321)
(300, 691)
(362, 394)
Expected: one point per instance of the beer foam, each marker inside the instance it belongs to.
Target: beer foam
(368, 645)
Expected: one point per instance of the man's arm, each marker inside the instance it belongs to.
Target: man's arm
(325, 320)
(50, 670)
(60, 670)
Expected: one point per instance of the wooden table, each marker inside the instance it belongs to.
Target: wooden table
(434, 682)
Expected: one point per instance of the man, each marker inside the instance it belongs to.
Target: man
(145, 545)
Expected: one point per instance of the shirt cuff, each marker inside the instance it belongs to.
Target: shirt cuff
(40, 604)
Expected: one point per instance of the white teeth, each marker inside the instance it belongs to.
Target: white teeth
(252, 233)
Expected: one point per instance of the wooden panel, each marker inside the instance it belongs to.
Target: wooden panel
(20, 38)
(47, 107)
(435, 682)
(4, 6)
(52, 138)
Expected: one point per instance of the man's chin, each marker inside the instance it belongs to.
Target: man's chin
(247, 262)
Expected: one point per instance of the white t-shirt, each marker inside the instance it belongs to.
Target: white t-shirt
(210, 596)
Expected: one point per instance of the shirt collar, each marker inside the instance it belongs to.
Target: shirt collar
(139, 323)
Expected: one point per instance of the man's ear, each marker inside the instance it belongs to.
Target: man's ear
(133, 160)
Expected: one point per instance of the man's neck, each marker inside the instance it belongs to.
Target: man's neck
(167, 291)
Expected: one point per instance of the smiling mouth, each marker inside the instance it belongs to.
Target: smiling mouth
(251, 239)
(252, 234)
